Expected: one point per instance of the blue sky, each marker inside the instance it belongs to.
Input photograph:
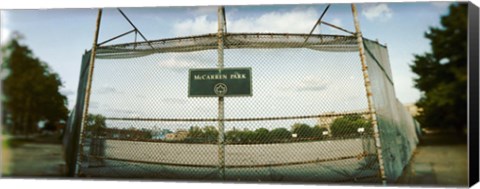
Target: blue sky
(60, 36)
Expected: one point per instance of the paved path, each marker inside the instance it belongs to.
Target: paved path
(33, 158)
(440, 160)
(5, 168)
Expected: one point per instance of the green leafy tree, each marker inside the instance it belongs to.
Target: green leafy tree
(247, 136)
(195, 132)
(348, 125)
(261, 135)
(280, 134)
(211, 133)
(96, 123)
(317, 131)
(442, 73)
(30, 89)
(302, 130)
(233, 135)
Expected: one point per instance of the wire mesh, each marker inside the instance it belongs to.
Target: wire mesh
(397, 128)
(307, 120)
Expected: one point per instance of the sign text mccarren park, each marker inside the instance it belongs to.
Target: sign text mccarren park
(220, 82)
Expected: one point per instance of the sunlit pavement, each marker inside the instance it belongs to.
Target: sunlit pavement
(5, 151)
(440, 160)
(33, 159)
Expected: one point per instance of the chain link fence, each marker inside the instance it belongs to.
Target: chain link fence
(397, 128)
(307, 120)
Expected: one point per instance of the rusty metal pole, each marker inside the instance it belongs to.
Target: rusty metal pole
(87, 91)
(221, 102)
(368, 88)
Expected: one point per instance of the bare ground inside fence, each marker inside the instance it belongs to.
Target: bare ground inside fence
(319, 161)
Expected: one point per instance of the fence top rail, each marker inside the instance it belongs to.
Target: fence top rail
(320, 42)
(233, 119)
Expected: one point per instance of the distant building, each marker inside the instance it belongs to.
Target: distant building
(412, 109)
(177, 136)
(170, 136)
(160, 134)
(326, 122)
(116, 133)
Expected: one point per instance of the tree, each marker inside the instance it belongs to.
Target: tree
(96, 123)
(442, 73)
(348, 125)
(195, 132)
(31, 89)
(211, 133)
(95, 128)
(233, 135)
(280, 134)
(261, 135)
(247, 136)
(317, 131)
(302, 130)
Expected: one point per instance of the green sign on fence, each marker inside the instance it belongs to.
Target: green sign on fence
(215, 82)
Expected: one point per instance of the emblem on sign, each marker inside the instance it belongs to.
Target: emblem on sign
(220, 89)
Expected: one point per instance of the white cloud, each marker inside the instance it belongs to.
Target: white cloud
(5, 35)
(106, 89)
(380, 12)
(179, 62)
(177, 101)
(299, 20)
(337, 22)
(441, 5)
(204, 10)
(67, 92)
(122, 112)
(93, 105)
(199, 25)
(312, 85)
(309, 83)
(5, 32)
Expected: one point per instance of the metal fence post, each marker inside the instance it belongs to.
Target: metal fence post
(87, 93)
(221, 102)
(368, 88)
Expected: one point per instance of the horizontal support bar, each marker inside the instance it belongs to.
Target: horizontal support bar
(238, 166)
(233, 119)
